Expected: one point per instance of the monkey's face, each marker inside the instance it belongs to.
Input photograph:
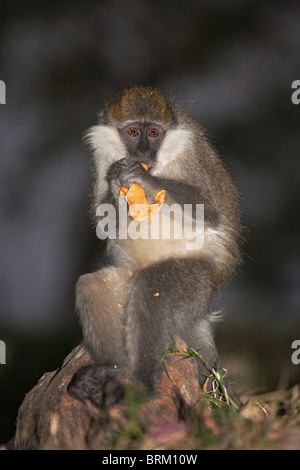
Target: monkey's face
(142, 141)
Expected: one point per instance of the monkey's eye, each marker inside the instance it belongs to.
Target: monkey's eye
(133, 132)
(153, 133)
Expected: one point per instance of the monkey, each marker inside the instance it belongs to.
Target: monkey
(150, 291)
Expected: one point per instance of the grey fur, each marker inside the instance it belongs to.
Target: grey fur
(124, 322)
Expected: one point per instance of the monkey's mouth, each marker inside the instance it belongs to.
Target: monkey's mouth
(146, 159)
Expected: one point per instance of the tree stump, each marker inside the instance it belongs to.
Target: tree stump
(50, 419)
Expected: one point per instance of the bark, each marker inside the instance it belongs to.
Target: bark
(49, 418)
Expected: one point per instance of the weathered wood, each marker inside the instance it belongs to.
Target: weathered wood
(49, 418)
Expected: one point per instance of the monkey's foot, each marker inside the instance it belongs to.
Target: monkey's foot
(100, 384)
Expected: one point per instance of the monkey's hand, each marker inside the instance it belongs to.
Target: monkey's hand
(115, 170)
(124, 172)
(133, 172)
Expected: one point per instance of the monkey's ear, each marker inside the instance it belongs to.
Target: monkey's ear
(138, 206)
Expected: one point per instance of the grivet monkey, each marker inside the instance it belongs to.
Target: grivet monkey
(151, 291)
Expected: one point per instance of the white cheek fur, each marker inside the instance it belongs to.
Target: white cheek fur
(175, 143)
(107, 147)
(106, 143)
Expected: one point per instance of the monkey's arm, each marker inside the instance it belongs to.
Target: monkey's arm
(176, 191)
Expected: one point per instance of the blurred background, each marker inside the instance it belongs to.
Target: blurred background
(232, 64)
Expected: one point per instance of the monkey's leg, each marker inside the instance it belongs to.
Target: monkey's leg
(168, 300)
(100, 299)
